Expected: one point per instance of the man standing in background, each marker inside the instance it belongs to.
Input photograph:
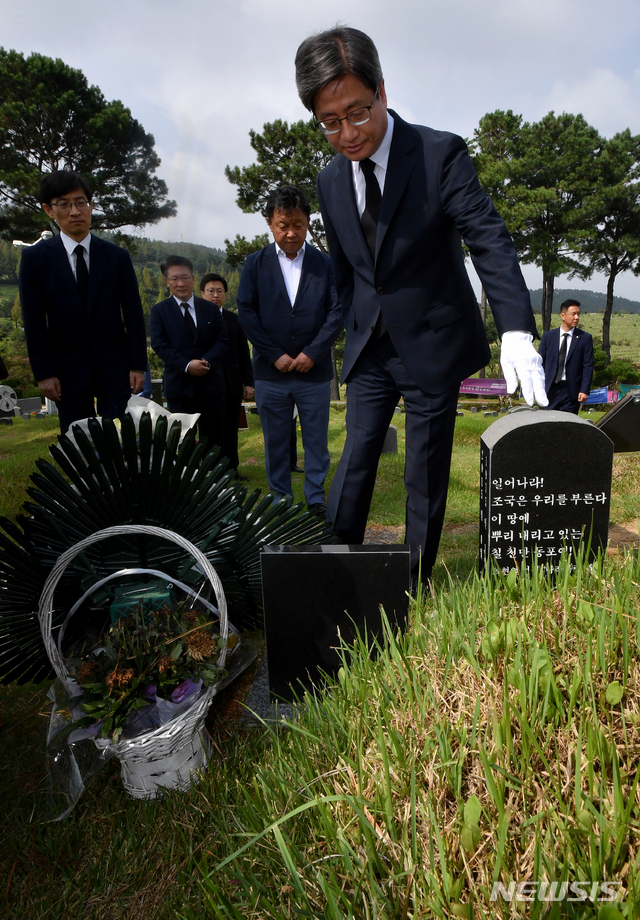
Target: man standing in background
(288, 310)
(188, 334)
(567, 357)
(396, 201)
(238, 372)
(81, 310)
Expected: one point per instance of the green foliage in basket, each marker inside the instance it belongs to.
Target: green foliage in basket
(143, 476)
(142, 656)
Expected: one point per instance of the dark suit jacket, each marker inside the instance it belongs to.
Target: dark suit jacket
(579, 366)
(238, 372)
(275, 328)
(172, 341)
(63, 339)
(431, 198)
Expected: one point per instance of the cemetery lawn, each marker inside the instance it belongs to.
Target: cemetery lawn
(498, 740)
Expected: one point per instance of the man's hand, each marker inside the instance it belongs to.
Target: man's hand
(136, 381)
(302, 363)
(198, 367)
(50, 388)
(248, 392)
(583, 397)
(520, 360)
(283, 363)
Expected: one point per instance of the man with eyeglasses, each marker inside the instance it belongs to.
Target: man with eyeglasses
(189, 335)
(81, 310)
(396, 201)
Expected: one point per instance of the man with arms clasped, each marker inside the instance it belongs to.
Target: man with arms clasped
(81, 309)
(396, 201)
(288, 310)
(567, 357)
(188, 333)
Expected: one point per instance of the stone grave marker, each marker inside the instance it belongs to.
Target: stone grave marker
(314, 596)
(545, 484)
(390, 445)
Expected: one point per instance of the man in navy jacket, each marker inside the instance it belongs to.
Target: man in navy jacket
(288, 310)
(396, 201)
(188, 333)
(568, 381)
(81, 309)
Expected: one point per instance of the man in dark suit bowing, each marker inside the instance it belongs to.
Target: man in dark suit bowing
(567, 357)
(288, 310)
(237, 367)
(188, 333)
(81, 309)
(396, 201)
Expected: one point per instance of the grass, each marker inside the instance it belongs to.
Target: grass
(497, 740)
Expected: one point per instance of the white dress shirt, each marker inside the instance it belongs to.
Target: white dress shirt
(569, 340)
(291, 270)
(70, 244)
(381, 159)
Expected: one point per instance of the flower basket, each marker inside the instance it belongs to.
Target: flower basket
(168, 756)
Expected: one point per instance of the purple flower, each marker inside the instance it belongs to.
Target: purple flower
(185, 689)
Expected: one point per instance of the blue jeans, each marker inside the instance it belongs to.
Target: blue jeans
(275, 401)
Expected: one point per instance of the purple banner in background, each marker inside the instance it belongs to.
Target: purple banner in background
(484, 386)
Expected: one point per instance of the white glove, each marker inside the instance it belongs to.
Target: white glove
(520, 360)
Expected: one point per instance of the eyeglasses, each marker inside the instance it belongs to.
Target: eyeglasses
(81, 204)
(357, 117)
(173, 278)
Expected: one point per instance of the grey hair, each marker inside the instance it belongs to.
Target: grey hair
(333, 54)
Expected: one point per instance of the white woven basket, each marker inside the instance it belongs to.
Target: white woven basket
(166, 757)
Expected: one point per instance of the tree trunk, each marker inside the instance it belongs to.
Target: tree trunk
(547, 300)
(483, 314)
(335, 380)
(606, 318)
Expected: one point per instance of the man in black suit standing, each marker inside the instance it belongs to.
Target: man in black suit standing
(189, 335)
(288, 310)
(396, 201)
(238, 372)
(567, 357)
(81, 309)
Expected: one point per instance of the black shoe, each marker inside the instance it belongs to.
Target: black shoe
(319, 509)
(239, 478)
(296, 469)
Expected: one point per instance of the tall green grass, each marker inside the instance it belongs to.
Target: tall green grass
(496, 741)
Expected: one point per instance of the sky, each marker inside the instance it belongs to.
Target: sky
(200, 74)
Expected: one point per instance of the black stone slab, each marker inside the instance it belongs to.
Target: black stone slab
(315, 595)
(390, 445)
(545, 485)
(622, 423)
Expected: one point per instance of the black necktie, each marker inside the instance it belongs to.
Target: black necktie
(371, 213)
(562, 357)
(82, 274)
(188, 318)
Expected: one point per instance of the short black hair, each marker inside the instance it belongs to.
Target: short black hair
(569, 303)
(61, 182)
(287, 198)
(331, 55)
(212, 276)
(171, 261)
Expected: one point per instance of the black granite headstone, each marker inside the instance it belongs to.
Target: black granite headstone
(622, 423)
(314, 596)
(545, 486)
(390, 445)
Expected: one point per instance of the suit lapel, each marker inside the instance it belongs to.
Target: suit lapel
(97, 264)
(574, 341)
(305, 275)
(273, 261)
(60, 261)
(402, 160)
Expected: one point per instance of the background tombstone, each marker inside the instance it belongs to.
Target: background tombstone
(390, 445)
(314, 596)
(545, 482)
(622, 423)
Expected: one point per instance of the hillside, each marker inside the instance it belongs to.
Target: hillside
(590, 301)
